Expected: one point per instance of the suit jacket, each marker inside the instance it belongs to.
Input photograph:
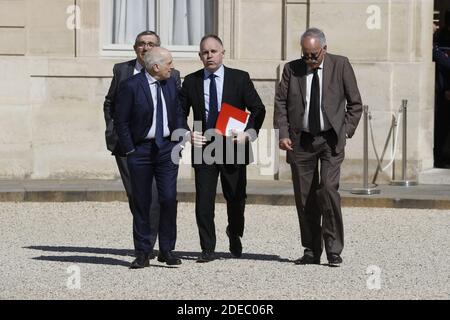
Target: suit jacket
(134, 113)
(341, 101)
(238, 91)
(121, 72)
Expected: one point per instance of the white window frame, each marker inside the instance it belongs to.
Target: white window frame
(162, 28)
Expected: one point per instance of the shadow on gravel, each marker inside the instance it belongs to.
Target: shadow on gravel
(186, 255)
(115, 252)
(94, 260)
(87, 259)
(84, 259)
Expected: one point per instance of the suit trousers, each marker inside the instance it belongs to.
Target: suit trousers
(234, 181)
(318, 199)
(154, 209)
(146, 164)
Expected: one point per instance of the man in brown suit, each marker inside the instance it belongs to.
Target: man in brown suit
(317, 106)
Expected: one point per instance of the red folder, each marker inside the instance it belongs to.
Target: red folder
(231, 117)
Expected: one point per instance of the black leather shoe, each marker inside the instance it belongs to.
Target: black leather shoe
(141, 261)
(307, 259)
(169, 258)
(334, 260)
(206, 256)
(235, 244)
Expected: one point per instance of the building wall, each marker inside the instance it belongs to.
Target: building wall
(54, 78)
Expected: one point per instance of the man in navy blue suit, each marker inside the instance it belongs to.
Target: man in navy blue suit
(147, 114)
(145, 41)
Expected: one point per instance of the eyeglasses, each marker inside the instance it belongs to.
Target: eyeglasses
(144, 44)
(313, 57)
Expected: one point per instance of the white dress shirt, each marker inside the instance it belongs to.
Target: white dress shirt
(152, 83)
(219, 86)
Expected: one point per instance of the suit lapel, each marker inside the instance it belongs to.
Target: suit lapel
(145, 86)
(167, 98)
(226, 85)
(302, 82)
(199, 83)
(326, 74)
(130, 68)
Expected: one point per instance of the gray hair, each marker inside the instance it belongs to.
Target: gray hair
(148, 33)
(316, 34)
(155, 56)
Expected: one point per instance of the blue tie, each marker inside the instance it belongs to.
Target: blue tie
(159, 133)
(213, 110)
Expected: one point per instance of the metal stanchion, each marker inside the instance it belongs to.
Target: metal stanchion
(379, 167)
(404, 182)
(394, 137)
(365, 188)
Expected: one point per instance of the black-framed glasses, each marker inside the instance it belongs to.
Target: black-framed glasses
(313, 56)
(143, 44)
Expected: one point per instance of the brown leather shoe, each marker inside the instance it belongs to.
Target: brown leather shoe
(334, 260)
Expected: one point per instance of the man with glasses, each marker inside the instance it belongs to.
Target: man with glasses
(317, 106)
(145, 41)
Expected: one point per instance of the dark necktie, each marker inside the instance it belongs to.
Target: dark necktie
(213, 110)
(159, 132)
(314, 105)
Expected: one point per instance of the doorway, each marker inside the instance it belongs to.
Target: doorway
(441, 57)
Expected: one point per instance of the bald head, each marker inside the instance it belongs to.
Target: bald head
(158, 63)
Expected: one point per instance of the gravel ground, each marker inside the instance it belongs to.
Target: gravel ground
(44, 244)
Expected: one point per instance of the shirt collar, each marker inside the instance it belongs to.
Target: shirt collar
(150, 79)
(309, 70)
(138, 66)
(219, 72)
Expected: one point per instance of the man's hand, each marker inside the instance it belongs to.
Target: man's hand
(285, 144)
(197, 139)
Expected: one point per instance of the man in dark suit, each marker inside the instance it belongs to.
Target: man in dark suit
(317, 106)
(205, 91)
(147, 113)
(442, 102)
(145, 41)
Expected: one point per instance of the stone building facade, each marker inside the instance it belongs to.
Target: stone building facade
(55, 72)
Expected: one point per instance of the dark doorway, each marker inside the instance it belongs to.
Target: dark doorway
(441, 57)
